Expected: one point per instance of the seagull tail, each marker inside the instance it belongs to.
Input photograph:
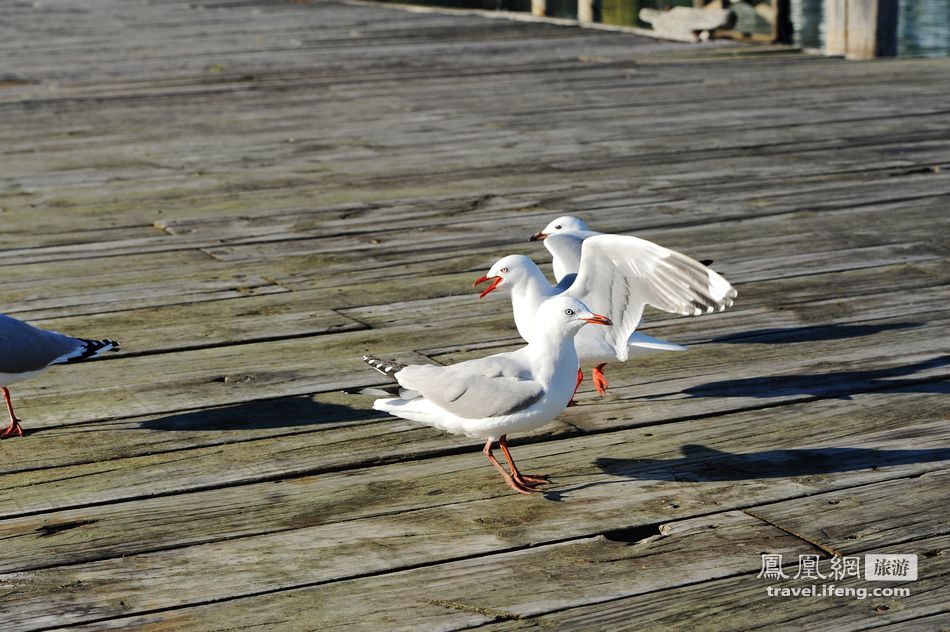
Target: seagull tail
(88, 350)
(643, 341)
(386, 367)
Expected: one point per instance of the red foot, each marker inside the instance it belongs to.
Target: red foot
(600, 382)
(531, 481)
(13, 430)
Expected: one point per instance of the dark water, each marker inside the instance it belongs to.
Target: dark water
(923, 26)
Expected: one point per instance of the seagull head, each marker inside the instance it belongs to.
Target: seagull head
(510, 270)
(567, 313)
(566, 225)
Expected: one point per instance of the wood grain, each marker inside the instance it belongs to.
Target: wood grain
(250, 194)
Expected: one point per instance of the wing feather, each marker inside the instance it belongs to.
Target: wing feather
(471, 392)
(619, 275)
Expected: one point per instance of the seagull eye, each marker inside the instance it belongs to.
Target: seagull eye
(504, 269)
(569, 312)
(557, 228)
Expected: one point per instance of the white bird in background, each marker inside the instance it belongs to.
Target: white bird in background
(26, 351)
(489, 398)
(563, 238)
(529, 289)
(568, 235)
(619, 275)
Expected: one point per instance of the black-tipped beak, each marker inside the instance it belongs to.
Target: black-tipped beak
(537, 237)
(598, 319)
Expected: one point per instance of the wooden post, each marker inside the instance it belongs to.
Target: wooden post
(836, 12)
(861, 29)
(585, 11)
(782, 30)
(539, 7)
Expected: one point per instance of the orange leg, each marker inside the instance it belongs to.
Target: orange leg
(600, 382)
(512, 483)
(524, 479)
(14, 427)
(580, 378)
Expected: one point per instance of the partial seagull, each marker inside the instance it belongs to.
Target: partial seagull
(563, 238)
(619, 275)
(26, 351)
(520, 277)
(489, 398)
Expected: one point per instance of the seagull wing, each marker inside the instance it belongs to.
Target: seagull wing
(474, 390)
(619, 275)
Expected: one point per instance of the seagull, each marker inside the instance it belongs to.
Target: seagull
(619, 275)
(26, 351)
(488, 398)
(529, 289)
(563, 238)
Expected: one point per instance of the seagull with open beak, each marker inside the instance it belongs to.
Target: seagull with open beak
(616, 274)
(521, 278)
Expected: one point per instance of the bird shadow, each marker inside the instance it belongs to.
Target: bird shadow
(703, 464)
(282, 412)
(840, 384)
(786, 335)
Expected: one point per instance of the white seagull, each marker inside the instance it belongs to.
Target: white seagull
(490, 397)
(563, 238)
(617, 275)
(26, 351)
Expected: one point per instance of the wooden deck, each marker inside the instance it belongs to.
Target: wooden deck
(250, 194)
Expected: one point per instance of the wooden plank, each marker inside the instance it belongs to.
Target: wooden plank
(527, 583)
(503, 586)
(914, 511)
(250, 194)
(131, 386)
(63, 443)
(679, 470)
(154, 580)
(84, 287)
(716, 603)
(208, 323)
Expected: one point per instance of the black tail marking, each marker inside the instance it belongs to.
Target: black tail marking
(386, 367)
(93, 349)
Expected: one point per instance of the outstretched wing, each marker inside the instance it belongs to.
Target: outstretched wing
(472, 390)
(619, 275)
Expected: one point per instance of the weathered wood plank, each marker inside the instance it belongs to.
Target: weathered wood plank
(155, 580)
(509, 585)
(534, 581)
(670, 472)
(132, 386)
(915, 508)
(237, 189)
(736, 604)
(90, 287)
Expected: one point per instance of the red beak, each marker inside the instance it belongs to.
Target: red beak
(497, 280)
(598, 320)
(537, 237)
